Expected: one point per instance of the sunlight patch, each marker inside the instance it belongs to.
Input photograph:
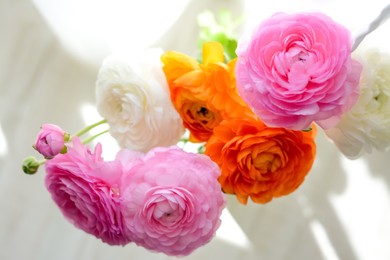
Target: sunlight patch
(91, 116)
(231, 232)
(3, 143)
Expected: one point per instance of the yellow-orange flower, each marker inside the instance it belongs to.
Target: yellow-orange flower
(203, 94)
(223, 93)
(258, 161)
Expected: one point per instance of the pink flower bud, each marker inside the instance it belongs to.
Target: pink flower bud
(50, 141)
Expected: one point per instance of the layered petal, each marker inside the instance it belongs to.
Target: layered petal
(296, 69)
(172, 201)
(260, 162)
(133, 96)
(366, 126)
(203, 93)
(86, 189)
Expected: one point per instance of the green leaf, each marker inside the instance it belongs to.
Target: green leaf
(220, 29)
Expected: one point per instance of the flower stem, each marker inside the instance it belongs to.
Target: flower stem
(86, 141)
(42, 162)
(85, 130)
(184, 140)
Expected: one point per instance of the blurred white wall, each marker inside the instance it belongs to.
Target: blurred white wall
(50, 53)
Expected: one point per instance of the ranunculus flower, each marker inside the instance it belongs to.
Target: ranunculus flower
(258, 161)
(172, 201)
(367, 125)
(203, 94)
(50, 140)
(133, 96)
(296, 69)
(86, 189)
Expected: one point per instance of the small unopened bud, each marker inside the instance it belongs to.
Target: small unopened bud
(30, 165)
(51, 141)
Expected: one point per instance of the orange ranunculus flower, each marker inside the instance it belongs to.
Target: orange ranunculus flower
(223, 93)
(203, 94)
(258, 161)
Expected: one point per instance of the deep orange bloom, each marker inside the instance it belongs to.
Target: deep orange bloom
(203, 94)
(258, 161)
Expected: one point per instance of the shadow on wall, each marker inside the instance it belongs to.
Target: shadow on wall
(304, 223)
(39, 82)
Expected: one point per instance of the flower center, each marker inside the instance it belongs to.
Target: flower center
(123, 102)
(169, 217)
(203, 112)
(168, 207)
(300, 62)
(380, 97)
(302, 56)
(199, 114)
(267, 162)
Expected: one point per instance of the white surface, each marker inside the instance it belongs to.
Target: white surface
(47, 74)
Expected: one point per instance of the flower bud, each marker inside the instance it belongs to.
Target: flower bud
(30, 165)
(51, 141)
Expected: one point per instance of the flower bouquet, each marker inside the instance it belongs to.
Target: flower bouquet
(252, 106)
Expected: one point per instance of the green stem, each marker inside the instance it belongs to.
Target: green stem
(42, 162)
(93, 137)
(184, 140)
(85, 130)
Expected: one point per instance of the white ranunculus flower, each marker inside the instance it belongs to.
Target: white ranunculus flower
(133, 96)
(367, 125)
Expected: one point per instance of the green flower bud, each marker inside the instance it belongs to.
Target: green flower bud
(30, 165)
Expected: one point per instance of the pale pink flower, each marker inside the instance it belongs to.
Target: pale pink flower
(171, 201)
(86, 189)
(296, 69)
(50, 140)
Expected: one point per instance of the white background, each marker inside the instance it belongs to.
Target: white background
(50, 53)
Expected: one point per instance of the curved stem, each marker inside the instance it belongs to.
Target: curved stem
(382, 17)
(94, 136)
(184, 140)
(42, 162)
(85, 130)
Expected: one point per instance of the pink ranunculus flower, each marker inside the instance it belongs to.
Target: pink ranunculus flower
(296, 69)
(171, 201)
(86, 189)
(50, 140)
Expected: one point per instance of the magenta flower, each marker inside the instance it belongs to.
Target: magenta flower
(296, 69)
(171, 201)
(86, 189)
(50, 140)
